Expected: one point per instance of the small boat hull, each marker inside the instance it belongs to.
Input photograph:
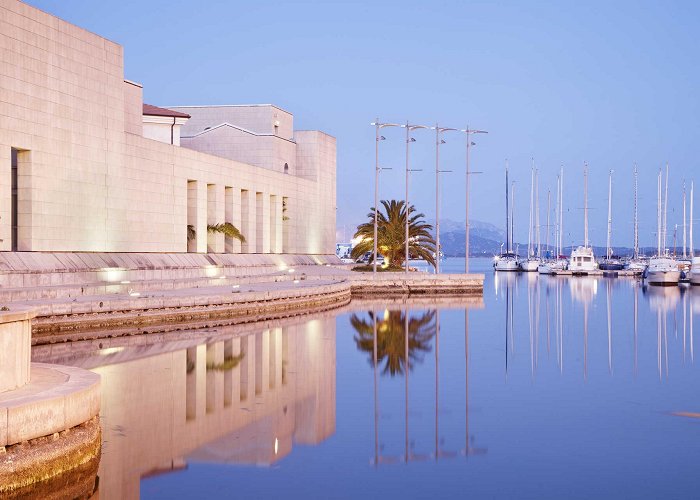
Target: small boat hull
(529, 266)
(509, 265)
(663, 278)
(611, 266)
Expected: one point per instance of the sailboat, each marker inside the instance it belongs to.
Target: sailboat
(582, 258)
(662, 269)
(530, 264)
(610, 262)
(694, 273)
(685, 262)
(637, 263)
(508, 261)
(559, 262)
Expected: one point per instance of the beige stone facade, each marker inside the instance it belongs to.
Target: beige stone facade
(82, 170)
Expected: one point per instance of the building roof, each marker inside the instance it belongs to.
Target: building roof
(151, 110)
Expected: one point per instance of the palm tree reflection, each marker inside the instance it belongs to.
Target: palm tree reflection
(391, 338)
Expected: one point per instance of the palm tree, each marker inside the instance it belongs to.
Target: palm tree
(391, 339)
(226, 228)
(391, 234)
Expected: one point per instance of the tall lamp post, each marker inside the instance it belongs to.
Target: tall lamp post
(468, 132)
(409, 128)
(377, 169)
(438, 130)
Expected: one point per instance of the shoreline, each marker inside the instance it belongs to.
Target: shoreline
(81, 296)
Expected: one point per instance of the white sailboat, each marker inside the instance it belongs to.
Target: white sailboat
(694, 273)
(559, 262)
(637, 263)
(685, 262)
(530, 264)
(610, 262)
(662, 269)
(582, 258)
(508, 261)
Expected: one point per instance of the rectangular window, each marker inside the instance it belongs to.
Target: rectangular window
(13, 217)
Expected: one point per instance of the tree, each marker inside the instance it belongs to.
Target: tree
(391, 338)
(391, 234)
(225, 228)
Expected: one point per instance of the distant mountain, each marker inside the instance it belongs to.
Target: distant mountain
(485, 240)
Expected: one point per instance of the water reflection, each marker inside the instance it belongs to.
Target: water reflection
(401, 338)
(225, 398)
(420, 384)
(414, 332)
(616, 311)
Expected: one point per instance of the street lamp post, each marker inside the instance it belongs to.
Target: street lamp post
(468, 132)
(377, 169)
(409, 140)
(438, 142)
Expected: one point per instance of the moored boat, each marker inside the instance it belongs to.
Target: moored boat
(508, 260)
(612, 263)
(662, 271)
(694, 273)
(582, 261)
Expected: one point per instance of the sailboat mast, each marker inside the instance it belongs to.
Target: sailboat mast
(532, 191)
(537, 214)
(585, 205)
(609, 249)
(684, 230)
(549, 197)
(636, 220)
(665, 213)
(692, 246)
(658, 215)
(561, 212)
(507, 213)
(512, 212)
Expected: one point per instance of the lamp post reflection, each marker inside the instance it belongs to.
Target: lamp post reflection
(415, 332)
(468, 449)
(376, 398)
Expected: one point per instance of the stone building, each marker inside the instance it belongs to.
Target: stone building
(85, 165)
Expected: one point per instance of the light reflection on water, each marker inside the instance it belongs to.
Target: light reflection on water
(558, 387)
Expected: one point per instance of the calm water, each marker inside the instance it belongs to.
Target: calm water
(554, 388)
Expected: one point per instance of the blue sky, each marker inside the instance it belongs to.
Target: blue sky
(607, 82)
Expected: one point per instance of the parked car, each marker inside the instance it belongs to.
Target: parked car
(366, 258)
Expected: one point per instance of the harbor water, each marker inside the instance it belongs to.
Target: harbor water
(554, 387)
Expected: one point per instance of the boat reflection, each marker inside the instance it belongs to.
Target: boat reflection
(548, 311)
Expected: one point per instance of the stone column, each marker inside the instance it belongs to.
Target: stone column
(248, 221)
(262, 207)
(215, 215)
(275, 224)
(232, 200)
